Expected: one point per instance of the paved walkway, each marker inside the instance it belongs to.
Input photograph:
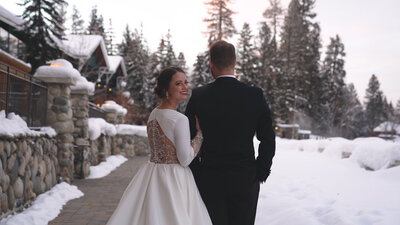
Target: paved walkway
(101, 196)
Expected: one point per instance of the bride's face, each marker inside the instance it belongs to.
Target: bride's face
(178, 87)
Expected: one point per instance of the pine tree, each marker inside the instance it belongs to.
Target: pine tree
(353, 120)
(299, 58)
(42, 29)
(77, 22)
(397, 112)
(267, 68)
(96, 25)
(170, 57)
(274, 14)
(109, 39)
(201, 74)
(374, 104)
(290, 54)
(136, 55)
(220, 24)
(333, 75)
(247, 59)
(165, 53)
(63, 17)
(181, 62)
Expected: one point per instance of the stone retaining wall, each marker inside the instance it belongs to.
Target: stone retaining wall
(28, 167)
(126, 145)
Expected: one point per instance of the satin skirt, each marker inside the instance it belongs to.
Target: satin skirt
(161, 194)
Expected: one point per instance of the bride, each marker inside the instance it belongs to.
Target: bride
(164, 192)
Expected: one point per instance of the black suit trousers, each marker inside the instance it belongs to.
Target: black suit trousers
(230, 194)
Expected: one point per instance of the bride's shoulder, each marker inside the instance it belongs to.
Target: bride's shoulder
(167, 115)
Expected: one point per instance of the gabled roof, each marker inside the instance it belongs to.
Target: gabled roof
(83, 46)
(115, 62)
(11, 19)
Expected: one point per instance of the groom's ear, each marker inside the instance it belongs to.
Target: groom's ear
(211, 64)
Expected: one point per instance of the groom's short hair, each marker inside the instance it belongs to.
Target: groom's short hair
(223, 55)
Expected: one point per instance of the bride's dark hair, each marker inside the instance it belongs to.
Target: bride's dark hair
(164, 79)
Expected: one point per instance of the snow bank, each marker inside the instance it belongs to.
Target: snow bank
(126, 129)
(375, 153)
(372, 153)
(104, 168)
(14, 126)
(98, 126)
(111, 106)
(11, 19)
(46, 207)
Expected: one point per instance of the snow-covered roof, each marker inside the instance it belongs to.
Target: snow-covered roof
(11, 19)
(388, 127)
(115, 61)
(26, 66)
(83, 46)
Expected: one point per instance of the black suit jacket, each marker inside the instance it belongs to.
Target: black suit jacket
(230, 114)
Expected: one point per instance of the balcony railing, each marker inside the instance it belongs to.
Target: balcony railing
(95, 111)
(22, 94)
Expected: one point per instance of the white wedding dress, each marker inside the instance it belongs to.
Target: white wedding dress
(163, 192)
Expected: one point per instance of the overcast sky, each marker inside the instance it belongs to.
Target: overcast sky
(370, 30)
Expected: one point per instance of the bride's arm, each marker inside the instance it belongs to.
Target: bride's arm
(186, 150)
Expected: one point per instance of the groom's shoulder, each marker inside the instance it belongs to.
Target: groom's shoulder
(201, 90)
(251, 89)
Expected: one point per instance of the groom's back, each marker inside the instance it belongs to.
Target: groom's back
(228, 111)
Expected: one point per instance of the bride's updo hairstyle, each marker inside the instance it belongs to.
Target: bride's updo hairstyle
(164, 79)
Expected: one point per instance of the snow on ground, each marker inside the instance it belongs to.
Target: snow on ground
(307, 187)
(310, 184)
(104, 168)
(46, 207)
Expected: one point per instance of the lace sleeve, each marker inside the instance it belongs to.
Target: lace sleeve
(196, 142)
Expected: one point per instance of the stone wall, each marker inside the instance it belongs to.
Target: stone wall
(126, 145)
(141, 145)
(59, 117)
(28, 167)
(80, 109)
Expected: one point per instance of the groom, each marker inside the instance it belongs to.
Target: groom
(230, 113)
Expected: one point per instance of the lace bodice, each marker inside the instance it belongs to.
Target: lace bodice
(162, 149)
(169, 138)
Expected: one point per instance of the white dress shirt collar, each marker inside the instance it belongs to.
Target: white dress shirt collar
(231, 76)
